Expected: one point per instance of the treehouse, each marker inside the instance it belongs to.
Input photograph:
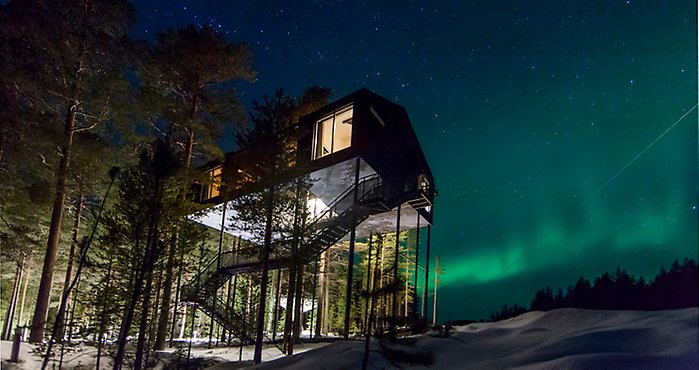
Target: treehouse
(368, 176)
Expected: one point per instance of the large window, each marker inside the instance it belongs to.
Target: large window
(214, 188)
(333, 133)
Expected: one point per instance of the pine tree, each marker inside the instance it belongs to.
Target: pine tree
(274, 198)
(186, 87)
(271, 196)
(580, 294)
(189, 69)
(143, 205)
(543, 300)
(66, 58)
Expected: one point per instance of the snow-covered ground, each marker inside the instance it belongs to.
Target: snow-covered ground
(560, 339)
(83, 357)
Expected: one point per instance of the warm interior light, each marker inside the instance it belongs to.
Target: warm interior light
(333, 133)
(343, 130)
(214, 189)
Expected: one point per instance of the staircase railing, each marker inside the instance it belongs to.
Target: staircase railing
(233, 321)
(368, 187)
(327, 233)
(365, 186)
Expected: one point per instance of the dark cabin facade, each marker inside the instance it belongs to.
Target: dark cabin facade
(363, 126)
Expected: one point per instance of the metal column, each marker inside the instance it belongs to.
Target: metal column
(350, 258)
(427, 273)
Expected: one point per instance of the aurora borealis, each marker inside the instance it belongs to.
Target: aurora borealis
(525, 110)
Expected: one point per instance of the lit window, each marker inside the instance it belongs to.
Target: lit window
(333, 133)
(214, 189)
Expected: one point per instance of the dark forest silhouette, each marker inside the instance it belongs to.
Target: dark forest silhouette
(672, 289)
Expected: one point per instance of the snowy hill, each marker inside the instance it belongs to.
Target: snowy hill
(560, 339)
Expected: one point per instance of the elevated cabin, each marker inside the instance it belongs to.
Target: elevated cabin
(361, 130)
(369, 176)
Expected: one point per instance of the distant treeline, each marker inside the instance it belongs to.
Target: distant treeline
(676, 288)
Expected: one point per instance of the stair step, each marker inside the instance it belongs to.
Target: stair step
(337, 234)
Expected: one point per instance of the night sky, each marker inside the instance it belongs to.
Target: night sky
(539, 120)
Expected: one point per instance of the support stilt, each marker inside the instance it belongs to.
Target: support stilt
(417, 256)
(394, 310)
(313, 298)
(350, 257)
(427, 273)
(367, 323)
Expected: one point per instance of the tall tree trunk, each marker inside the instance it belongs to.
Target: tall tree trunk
(164, 319)
(167, 295)
(64, 298)
(104, 317)
(367, 329)
(71, 260)
(154, 316)
(156, 307)
(146, 267)
(42, 301)
(127, 320)
(321, 297)
(143, 325)
(376, 273)
(248, 300)
(189, 148)
(384, 297)
(11, 307)
(20, 317)
(71, 321)
(227, 308)
(394, 303)
(325, 321)
(235, 289)
(288, 313)
(212, 323)
(257, 358)
(277, 296)
(313, 312)
(298, 306)
(367, 312)
(183, 324)
(293, 277)
(177, 301)
(272, 299)
(191, 331)
(189, 145)
(350, 257)
(246, 314)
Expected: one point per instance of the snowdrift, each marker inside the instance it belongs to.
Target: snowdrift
(561, 339)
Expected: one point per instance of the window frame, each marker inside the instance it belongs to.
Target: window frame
(216, 176)
(318, 132)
